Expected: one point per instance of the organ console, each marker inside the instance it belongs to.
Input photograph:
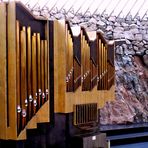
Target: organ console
(49, 68)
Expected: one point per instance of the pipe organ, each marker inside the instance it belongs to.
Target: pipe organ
(25, 71)
(47, 68)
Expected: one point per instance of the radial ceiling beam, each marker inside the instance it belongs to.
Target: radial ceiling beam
(144, 14)
(127, 1)
(106, 7)
(141, 6)
(101, 1)
(110, 7)
(131, 8)
(88, 7)
(114, 7)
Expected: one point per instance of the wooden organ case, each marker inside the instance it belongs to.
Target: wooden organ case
(82, 77)
(51, 73)
(24, 71)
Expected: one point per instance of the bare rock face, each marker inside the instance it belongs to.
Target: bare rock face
(131, 104)
(145, 60)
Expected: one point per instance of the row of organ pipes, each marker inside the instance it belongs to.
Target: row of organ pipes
(95, 57)
(32, 73)
(26, 66)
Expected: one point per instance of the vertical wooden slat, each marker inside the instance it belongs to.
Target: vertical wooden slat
(70, 61)
(23, 77)
(67, 55)
(3, 72)
(69, 58)
(39, 70)
(61, 64)
(43, 71)
(18, 70)
(34, 73)
(106, 67)
(100, 65)
(46, 69)
(82, 60)
(11, 15)
(69, 64)
(102, 60)
(29, 72)
(88, 67)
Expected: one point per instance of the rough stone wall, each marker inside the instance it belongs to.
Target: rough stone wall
(131, 64)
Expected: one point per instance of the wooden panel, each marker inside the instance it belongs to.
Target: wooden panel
(56, 79)
(93, 96)
(23, 77)
(99, 64)
(3, 72)
(42, 115)
(34, 73)
(43, 71)
(11, 130)
(67, 55)
(29, 72)
(18, 78)
(69, 61)
(93, 74)
(39, 70)
(82, 60)
(105, 67)
(77, 57)
(59, 65)
(19, 75)
(48, 59)
(46, 69)
(77, 74)
(85, 50)
(102, 66)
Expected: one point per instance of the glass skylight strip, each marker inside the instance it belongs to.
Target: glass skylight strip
(85, 6)
(121, 8)
(111, 7)
(137, 7)
(143, 9)
(118, 10)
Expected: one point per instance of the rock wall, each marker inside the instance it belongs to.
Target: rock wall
(131, 63)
